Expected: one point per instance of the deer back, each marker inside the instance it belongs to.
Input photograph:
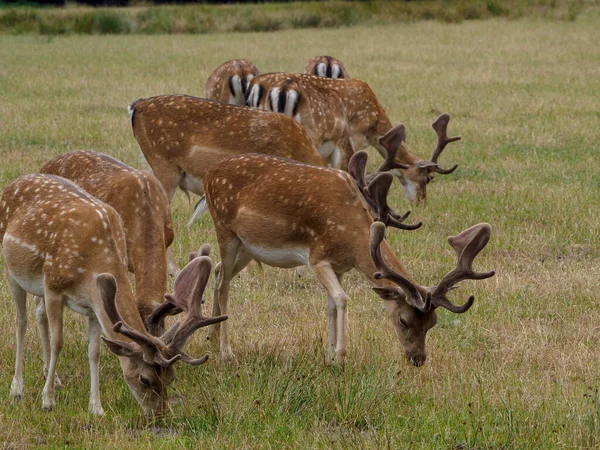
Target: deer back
(143, 206)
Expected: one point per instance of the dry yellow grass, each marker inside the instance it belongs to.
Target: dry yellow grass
(519, 370)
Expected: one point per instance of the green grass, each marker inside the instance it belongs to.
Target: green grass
(519, 370)
(198, 19)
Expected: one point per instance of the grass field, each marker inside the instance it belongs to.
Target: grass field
(519, 370)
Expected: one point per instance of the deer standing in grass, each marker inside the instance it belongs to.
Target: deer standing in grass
(364, 118)
(182, 136)
(268, 209)
(326, 66)
(143, 206)
(229, 82)
(64, 245)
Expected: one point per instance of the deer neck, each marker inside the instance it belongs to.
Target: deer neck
(149, 258)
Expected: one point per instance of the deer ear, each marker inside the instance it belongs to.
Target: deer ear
(121, 348)
(389, 293)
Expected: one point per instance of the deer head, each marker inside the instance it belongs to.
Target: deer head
(415, 177)
(147, 361)
(412, 308)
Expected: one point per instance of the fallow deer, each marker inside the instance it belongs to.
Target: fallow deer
(181, 136)
(326, 66)
(267, 209)
(366, 119)
(64, 245)
(229, 82)
(141, 202)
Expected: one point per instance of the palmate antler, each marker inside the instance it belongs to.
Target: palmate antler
(467, 246)
(413, 295)
(187, 296)
(155, 320)
(441, 126)
(375, 193)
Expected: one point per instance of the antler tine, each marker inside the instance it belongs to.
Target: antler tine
(357, 167)
(107, 286)
(467, 246)
(441, 126)
(384, 271)
(377, 191)
(391, 141)
(188, 295)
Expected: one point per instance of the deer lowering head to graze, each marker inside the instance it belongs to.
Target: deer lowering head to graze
(182, 136)
(141, 202)
(320, 111)
(366, 119)
(326, 66)
(267, 209)
(229, 82)
(64, 245)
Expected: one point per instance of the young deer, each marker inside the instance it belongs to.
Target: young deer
(64, 245)
(267, 209)
(326, 66)
(364, 115)
(229, 82)
(181, 136)
(141, 202)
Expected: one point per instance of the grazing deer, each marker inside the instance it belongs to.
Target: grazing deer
(267, 209)
(141, 202)
(229, 82)
(365, 117)
(326, 66)
(181, 136)
(64, 245)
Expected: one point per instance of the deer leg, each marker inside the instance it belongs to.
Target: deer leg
(20, 298)
(169, 177)
(172, 267)
(94, 332)
(54, 311)
(332, 316)
(337, 318)
(42, 322)
(242, 260)
(229, 253)
(346, 151)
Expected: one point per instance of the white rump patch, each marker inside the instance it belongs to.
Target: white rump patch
(290, 102)
(253, 98)
(237, 96)
(335, 71)
(274, 95)
(322, 69)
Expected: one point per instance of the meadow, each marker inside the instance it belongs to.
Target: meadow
(519, 370)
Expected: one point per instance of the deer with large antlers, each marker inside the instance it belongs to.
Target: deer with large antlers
(326, 66)
(64, 245)
(143, 206)
(366, 119)
(182, 136)
(267, 209)
(229, 82)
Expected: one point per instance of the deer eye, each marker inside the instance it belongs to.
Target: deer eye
(403, 322)
(144, 380)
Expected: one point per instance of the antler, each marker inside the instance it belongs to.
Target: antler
(384, 271)
(187, 295)
(377, 191)
(467, 246)
(150, 346)
(391, 141)
(167, 308)
(441, 126)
